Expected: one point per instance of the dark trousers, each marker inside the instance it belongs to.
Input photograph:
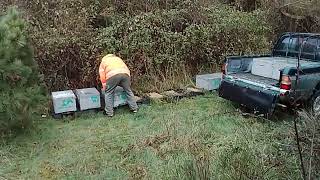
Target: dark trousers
(122, 80)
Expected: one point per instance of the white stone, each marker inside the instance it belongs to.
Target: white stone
(171, 94)
(194, 90)
(155, 96)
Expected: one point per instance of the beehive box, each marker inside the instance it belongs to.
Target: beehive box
(64, 102)
(120, 98)
(208, 81)
(88, 98)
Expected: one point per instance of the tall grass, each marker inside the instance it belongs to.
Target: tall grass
(310, 136)
(201, 138)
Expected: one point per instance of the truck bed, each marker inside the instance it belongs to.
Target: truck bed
(256, 79)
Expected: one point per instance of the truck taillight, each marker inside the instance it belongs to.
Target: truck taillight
(285, 83)
(224, 68)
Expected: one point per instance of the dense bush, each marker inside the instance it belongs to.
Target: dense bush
(163, 41)
(65, 41)
(164, 45)
(20, 93)
(288, 15)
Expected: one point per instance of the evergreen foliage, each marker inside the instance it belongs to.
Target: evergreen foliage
(20, 92)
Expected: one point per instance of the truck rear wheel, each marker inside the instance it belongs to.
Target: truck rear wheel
(315, 104)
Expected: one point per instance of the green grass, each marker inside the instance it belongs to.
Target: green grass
(200, 138)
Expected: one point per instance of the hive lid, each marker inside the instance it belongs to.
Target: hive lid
(210, 76)
(87, 91)
(63, 94)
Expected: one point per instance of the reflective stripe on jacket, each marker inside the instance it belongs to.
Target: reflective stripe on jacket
(112, 65)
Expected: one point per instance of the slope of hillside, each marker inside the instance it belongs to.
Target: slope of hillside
(195, 138)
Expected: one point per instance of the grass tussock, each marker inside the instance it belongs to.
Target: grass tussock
(310, 143)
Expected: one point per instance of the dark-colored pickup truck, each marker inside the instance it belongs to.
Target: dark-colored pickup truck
(287, 77)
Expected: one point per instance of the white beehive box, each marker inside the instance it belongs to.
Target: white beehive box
(88, 98)
(64, 101)
(120, 98)
(209, 81)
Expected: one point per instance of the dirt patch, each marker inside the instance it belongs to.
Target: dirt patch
(157, 140)
(137, 172)
(50, 171)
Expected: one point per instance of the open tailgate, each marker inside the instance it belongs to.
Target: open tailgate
(257, 97)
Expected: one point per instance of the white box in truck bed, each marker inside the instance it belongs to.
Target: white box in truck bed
(262, 67)
(270, 67)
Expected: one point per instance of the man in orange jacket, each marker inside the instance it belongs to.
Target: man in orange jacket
(114, 72)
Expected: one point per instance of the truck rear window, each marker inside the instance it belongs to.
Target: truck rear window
(289, 46)
(311, 49)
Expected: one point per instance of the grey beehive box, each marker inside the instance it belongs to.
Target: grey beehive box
(64, 101)
(120, 98)
(209, 81)
(88, 98)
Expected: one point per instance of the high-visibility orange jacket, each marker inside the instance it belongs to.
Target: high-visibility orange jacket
(112, 65)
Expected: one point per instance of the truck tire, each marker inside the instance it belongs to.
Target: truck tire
(315, 104)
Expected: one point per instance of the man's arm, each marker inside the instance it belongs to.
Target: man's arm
(102, 74)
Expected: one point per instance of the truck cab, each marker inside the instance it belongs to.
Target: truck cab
(290, 75)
